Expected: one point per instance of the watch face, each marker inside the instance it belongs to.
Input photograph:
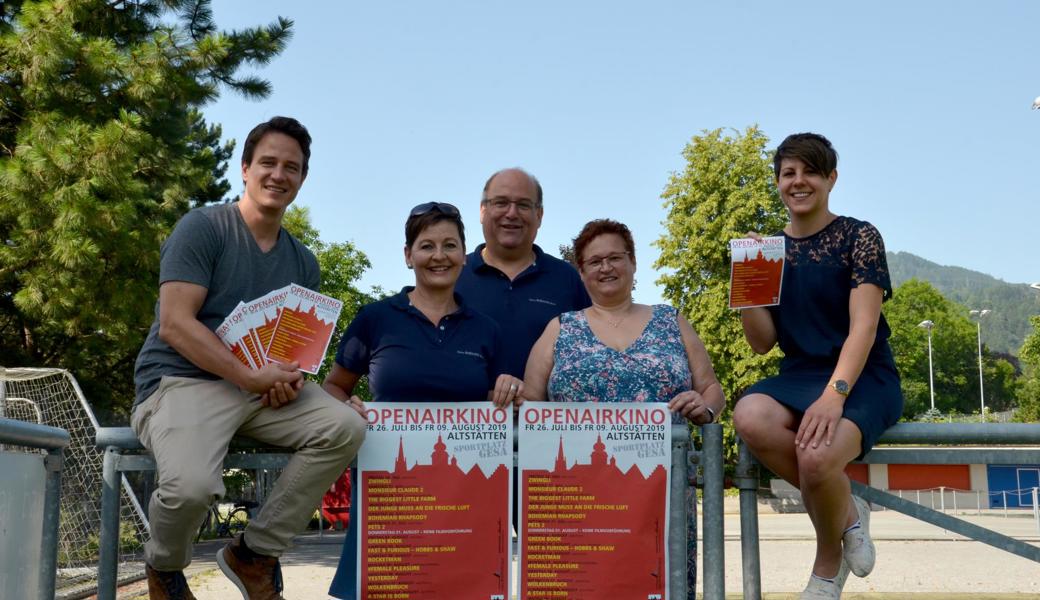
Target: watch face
(842, 387)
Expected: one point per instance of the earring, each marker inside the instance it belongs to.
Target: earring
(409, 265)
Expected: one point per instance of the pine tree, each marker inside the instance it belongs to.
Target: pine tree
(102, 148)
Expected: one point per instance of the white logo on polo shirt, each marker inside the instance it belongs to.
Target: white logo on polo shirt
(468, 353)
(542, 301)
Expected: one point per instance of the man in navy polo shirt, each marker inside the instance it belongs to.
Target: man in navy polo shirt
(508, 277)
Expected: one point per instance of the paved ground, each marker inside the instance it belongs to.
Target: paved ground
(916, 561)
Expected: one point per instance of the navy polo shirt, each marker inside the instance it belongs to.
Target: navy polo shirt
(524, 306)
(409, 359)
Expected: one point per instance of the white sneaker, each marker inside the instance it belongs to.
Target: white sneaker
(821, 589)
(857, 546)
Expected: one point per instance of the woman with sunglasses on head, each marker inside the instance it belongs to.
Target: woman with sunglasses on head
(620, 351)
(422, 345)
(838, 388)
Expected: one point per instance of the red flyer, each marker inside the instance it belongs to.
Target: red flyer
(756, 271)
(594, 500)
(241, 336)
(304, 328)
(227, 334)
(435, 501)
(262, 315)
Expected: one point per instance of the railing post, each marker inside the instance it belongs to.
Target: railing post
(714, 568)
(1036, 508)
(746, 481)
(1004, 495)
(678, 515)
(108, 550)
(51, 516)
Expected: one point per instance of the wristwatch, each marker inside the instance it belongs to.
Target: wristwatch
(841, 386)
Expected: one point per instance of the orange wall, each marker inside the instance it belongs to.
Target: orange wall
(923, 477)
(858, 472)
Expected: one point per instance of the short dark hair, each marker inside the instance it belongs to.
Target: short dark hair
(287, 125)
(534, 180)
(594, 229)
(417, 224)
(812, 149)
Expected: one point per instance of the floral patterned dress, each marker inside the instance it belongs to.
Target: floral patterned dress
(653, 369)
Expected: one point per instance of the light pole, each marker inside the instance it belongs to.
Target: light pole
(982, 396)
(931, 381)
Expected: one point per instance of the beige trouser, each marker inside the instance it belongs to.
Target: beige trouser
(187, 425)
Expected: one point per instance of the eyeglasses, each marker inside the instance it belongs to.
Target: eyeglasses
(612, 260)
(441, 207)
(502, 205)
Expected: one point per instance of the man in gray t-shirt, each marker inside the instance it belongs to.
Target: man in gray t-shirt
(193, 395)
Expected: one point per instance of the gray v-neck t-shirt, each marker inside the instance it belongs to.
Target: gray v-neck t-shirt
(211, 246)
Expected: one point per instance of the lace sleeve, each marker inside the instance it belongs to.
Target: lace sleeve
(869, 264)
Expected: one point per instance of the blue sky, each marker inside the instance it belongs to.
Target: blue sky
(928, 104)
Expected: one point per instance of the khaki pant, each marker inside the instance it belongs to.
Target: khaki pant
(187, 425)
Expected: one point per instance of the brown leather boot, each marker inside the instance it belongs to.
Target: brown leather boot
(258, 577)
(167, 585)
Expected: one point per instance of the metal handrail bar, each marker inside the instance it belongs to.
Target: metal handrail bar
(124, 452)
(32, 435)
(1000, 435)
(54, 441)
(986, 434)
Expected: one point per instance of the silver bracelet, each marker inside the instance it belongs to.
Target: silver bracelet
(711, 413)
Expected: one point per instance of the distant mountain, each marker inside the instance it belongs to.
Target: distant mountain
(1012, 303)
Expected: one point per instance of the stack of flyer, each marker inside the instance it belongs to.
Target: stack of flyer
(289, 324)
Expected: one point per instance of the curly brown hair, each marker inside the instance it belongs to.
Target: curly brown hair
(596, 228)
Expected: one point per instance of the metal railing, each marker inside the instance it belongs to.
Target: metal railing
(999, 435)
(54, 441)
(123, 453)
(704, 468)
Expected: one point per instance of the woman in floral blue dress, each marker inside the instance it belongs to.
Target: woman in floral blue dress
(620, 351)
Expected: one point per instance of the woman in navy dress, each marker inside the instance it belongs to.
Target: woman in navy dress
(421, 345)
(838, 388)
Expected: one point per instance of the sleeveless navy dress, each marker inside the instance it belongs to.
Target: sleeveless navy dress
(812, 322)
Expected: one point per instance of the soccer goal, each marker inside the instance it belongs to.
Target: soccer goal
(52, 397)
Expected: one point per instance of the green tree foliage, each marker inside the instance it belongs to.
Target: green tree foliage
(954, 354)
(726, 190)
(102, 148)
(1029, 392)
(342, 264)
(1012, 303)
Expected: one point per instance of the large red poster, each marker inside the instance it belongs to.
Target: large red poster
(435, 501)
(594, 500)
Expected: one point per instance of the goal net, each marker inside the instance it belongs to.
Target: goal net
(52, 397)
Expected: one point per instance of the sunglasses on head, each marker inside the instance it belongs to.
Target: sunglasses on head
(441, 207)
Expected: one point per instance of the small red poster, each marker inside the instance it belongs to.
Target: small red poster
(594, 500)
(756, 272)
(435, 502)
(304, 329)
